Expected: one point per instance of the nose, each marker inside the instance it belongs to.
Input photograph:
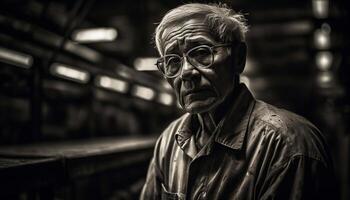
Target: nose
(188, 71)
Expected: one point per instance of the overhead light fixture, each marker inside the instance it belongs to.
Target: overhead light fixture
(145, 64)
(326, 79)
(322, 37)
(320, 8)
(95, 35)
(166, 99)
(299, 27)
(123, 71)
(143, 92)
(15, 58)
(166, 84)
(112, 84)
(70, 73)
(83, 51)
(324, 60)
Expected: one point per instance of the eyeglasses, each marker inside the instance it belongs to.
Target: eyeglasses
(200, 57)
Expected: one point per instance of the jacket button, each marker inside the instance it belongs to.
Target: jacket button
(204, 195)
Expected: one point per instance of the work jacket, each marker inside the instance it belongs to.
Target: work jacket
(260, 152)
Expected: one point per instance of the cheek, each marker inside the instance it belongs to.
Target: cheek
(175, 84)
(223, 81)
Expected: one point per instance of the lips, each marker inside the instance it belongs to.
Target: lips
(198, 92)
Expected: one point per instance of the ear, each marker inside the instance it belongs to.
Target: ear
(239, 56)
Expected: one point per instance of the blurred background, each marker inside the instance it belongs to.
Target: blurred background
(81, 102)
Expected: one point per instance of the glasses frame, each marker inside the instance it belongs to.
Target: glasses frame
(161, 60)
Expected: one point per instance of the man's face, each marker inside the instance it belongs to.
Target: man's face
(198, 89)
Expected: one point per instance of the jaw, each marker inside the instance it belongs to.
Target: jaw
(201, 101)
(200, 106)
(217, 105)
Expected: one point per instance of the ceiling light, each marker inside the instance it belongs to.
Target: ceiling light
(145, 64)
(166, 99)
(324, 60)
(320, 8)
(143, 92)
(16, 58)
(83, 51)
(166, 84)
(95, 35)
(322, 37)
(326, 79)
(112, 84)
(70, 73)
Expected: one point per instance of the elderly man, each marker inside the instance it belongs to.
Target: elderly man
(228, 145)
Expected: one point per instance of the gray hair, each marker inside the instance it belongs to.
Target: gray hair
(225, 24)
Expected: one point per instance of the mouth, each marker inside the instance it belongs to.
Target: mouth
(198, 92)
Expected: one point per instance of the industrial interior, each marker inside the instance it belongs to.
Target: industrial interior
(82, 102)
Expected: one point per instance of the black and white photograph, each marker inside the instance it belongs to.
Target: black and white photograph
(174, 100)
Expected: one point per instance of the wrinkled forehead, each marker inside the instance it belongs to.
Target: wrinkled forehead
(184, 31)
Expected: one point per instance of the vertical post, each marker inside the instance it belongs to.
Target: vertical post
(35, 102)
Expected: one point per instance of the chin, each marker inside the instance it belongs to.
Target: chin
(197, 107)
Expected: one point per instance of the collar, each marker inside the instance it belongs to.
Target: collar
(237, 120)
(234, 129)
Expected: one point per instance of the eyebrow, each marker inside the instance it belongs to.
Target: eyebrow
(170, 47)
(191, 42)
(198, 40)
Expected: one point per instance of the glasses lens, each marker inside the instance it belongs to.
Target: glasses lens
(201, 56)
(172, 65)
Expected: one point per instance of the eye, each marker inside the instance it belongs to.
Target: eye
(172, 64)
(172, 60)
(201, 52)
(201, 56)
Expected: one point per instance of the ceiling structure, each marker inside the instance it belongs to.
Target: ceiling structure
(284, 51)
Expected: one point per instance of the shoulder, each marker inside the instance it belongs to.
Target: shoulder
(293, 134)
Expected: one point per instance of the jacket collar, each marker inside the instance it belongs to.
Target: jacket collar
(237, 120)
(234, 129)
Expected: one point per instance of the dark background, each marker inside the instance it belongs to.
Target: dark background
(298, 59)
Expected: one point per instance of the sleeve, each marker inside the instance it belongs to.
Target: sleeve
(300, 178)
(152, 186)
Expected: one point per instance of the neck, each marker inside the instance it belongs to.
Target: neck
(221, 110)
(210, 120)
(207, 122)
